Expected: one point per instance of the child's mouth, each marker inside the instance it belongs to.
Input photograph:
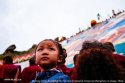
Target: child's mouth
(44, 58)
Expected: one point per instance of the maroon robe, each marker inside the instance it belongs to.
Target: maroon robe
(72, 73)
(1, 73)
(9, 72)
(29, 73)
(120, 59)
(63, 68)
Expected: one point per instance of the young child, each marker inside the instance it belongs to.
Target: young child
(48, 55)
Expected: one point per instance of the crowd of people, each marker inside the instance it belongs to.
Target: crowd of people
(96, 62)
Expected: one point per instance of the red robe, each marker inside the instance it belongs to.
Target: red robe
(72, 73)
(9, 72)
(120, 59)
(63, 68)
(29, 73)
(1, 73)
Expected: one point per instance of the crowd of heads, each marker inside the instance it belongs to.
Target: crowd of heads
(95, 60)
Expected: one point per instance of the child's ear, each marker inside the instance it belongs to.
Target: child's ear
(59, 59)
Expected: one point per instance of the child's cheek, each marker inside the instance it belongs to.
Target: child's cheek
(37, 58)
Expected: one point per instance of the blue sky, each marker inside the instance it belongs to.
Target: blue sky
(27, 22)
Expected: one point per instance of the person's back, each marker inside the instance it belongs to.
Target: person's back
(118, 57)
(29, 73)
(11, 72)
(1, 73)
(72, 70)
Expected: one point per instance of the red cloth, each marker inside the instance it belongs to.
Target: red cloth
(8, 72)
(63, 68)
(120, 58)
(1, 73)
(29, 73)
(72, 73)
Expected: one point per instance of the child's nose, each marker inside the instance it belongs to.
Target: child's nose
(45, 52)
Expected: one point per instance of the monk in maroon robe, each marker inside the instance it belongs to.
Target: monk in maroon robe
(29, 73)
(10, 72)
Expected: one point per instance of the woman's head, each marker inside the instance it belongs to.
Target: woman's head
(48, 53)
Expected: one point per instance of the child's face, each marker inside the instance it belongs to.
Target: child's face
(47, 54)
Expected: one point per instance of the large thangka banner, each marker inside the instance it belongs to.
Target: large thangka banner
(112, 30)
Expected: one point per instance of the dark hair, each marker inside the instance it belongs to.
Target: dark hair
(109, 46)
(91, 44)
(64, 49)
(75, 57)
(97, 63)
(8, 60)
(63, 57)
(32, 60)
(64, 52)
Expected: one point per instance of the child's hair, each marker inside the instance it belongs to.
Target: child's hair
(63, 57)
(58, 45)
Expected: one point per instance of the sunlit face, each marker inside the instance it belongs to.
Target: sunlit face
(47, 54)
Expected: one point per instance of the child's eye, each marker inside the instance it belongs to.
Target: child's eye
(51, 48)
(40, 49)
